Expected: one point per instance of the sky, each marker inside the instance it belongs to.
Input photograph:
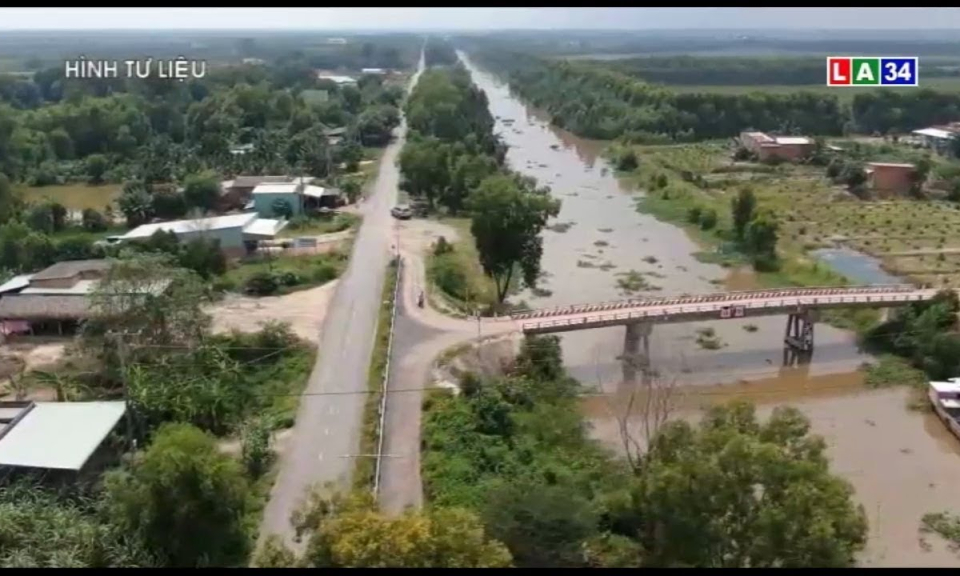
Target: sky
(402, 19)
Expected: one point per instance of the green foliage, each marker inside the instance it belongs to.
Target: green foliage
(184, 499)
(627, 160)
(923, 333)
(93, 221)
(39, 529)
(256, 452)
(135, 203)
(201, 191)
(760, 240)
(508, 214)
(742, 208)
(96, 166)
(708, 219)
(738, 493)
(350, 532)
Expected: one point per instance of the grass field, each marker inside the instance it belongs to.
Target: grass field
(846, 93)
(919, 239)
(73, 196)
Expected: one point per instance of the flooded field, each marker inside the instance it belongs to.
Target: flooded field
(603, 242)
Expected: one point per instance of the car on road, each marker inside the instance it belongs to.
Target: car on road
(402, 212)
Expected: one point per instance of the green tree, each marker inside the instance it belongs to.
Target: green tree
(761, 239)
(349, 531)
(541, 525)
(8, 201)
(136, 203)
(93, 221)
(184, 499)
(424, 166)
(201, 191)
(96, 166)
(507, 218)
(738, 493)
(742, 208)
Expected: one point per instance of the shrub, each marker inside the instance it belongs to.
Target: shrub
(708, 219)
(261, 284)
(441, 247)
(93, 221)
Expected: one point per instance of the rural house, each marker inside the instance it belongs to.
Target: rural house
(237, 193)
(238, 234)
(302, 198)
(337, 79)
(937, 138)
(54, 300)
(766, 147)
(890, 178)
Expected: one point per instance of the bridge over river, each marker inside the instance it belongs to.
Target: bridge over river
(639, 315)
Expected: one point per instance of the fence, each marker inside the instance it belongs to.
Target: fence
(382, 410)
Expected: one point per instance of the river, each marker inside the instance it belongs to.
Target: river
(609, 237)
(901, 463)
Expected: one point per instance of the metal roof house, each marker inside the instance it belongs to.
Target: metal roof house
(238, 234)
(63, 436)
(300, 197)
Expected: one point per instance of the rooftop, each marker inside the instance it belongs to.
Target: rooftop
(16, 283)
(889, 165)
(934, 133)
(70, 268)
(272, 188)
(251, 181)
(185, 226)
(45, 306)
(946, 387)
(265, 227)
(57, 435)
(787, 140)
(336, 78)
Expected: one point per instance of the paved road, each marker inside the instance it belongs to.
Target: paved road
(420, 336)
(326, 437)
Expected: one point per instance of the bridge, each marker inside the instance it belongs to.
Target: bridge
(639, 315)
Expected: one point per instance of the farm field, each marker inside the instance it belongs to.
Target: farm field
(919, 239)
(72, 196)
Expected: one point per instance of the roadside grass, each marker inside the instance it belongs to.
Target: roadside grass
(369, 436)
(316, 225)
(457, 274)
(308, 270)
(76, 196)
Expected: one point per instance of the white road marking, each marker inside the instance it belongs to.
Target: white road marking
(326, 431)
(320, 457)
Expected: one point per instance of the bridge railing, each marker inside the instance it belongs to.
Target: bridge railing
(716, 297)
(667, 310)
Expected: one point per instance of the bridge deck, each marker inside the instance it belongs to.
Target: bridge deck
(715, 306)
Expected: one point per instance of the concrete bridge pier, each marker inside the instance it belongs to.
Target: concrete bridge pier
(799, 334)
(636, 350)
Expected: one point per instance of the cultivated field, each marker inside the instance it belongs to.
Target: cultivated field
(915, 238)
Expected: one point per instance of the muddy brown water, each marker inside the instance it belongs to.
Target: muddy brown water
(578, 269)
(901, 463)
